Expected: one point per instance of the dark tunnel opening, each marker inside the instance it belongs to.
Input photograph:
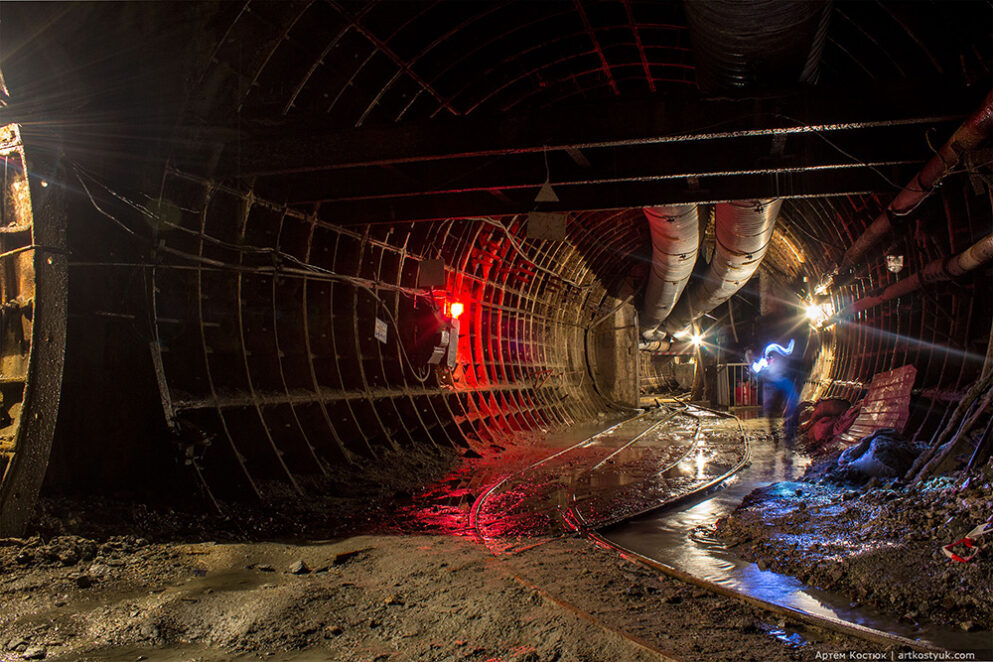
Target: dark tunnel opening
(261, 254)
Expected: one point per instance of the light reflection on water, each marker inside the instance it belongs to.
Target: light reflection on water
(701, 463)
(683, 539)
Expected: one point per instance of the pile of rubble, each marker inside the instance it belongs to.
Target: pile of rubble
(879, 544)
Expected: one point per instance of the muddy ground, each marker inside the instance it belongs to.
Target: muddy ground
(879, 544)
(377, 569)
(414, 597)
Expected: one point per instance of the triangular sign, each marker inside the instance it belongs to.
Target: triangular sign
(546, 194)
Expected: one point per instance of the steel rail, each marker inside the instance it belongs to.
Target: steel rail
(474, 522)
(582, 525)
(668, 467)
(558, 515)
(579, 526)
(474, 525)
(665, 419)
(824, 622)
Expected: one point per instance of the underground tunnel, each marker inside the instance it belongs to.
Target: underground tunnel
(589, 330)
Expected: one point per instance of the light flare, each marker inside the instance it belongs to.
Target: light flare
(818, 314)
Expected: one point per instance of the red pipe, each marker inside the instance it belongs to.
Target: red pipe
(939, 270)
(968, 136)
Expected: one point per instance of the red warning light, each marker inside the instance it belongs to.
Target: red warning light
(456, 309)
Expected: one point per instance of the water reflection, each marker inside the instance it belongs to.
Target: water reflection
(625, 470)
(683, 539)
(701, 462)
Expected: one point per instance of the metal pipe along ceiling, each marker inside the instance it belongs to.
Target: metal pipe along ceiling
(265, 344)
(936, 271)
(744, 229)
(675, 233)
(739, 45)
(968, 136)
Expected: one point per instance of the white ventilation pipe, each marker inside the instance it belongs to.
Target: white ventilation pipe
(675, 240)
(744, 230)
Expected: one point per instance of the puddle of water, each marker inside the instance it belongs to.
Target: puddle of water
(572, 434)
(532, 503)
(628, 469)
(682, 539)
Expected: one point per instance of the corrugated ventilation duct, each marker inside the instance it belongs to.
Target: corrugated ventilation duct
(741, 45)
(675, 240)
(744, 230)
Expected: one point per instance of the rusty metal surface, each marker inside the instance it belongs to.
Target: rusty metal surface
(928, 330)
(249, 347)
(33, 319)
(264, 321)
(312, 398)
(967, 137)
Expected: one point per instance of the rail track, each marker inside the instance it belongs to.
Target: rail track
(654, 460)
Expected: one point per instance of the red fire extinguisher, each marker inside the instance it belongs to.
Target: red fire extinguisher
(743, 394)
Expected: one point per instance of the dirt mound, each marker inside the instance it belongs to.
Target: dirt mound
(876, 545)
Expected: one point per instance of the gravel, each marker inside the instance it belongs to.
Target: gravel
(876, 545)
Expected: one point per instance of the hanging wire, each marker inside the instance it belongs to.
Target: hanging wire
(841, 151)
(520, 251)
(96, 206)
(276, 269)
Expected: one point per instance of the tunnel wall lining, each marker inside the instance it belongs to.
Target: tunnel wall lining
(281, 364)
(260, 62)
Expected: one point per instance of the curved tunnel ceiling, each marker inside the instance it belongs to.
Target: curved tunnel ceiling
(385, 62)
(271, 355)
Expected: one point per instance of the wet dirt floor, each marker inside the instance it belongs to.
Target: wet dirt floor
(414, 597)
(395, 573)
(878, 547)
(758, 549)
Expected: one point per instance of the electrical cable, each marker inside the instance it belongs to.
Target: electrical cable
(247, 248)
(520, 251)
(603, 318)
(851, 156)
(100, 209)
(360, 283)
(810, 235)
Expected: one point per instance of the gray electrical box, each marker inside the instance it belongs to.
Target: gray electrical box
(549, 226)
(440, 350)
(431, 273)
(453, 345)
